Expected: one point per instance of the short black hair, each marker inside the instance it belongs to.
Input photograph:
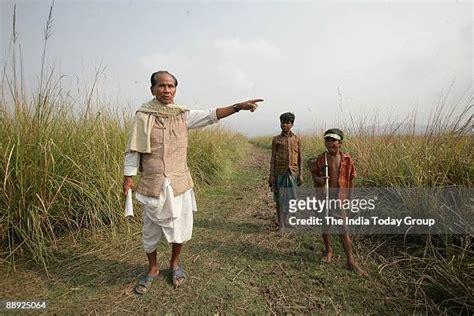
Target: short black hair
(287, 117)
(162, 72)
(336, 131)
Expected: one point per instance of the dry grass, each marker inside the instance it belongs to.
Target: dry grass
(61, 171)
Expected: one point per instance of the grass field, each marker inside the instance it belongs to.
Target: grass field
(63, 237)
(62, 224)
(236, 263)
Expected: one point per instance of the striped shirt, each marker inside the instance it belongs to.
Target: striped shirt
(287, 157)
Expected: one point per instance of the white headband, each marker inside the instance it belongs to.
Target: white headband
(335, 136)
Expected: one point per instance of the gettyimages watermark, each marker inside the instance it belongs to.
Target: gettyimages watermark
(439, 210)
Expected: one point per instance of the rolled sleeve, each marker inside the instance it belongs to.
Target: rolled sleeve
(201, 118)
(132, 163)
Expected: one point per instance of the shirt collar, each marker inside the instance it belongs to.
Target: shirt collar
(344, 157)
(290, 134)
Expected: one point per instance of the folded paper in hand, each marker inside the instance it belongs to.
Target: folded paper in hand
(128, 204)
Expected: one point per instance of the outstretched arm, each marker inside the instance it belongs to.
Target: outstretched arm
(249, 105)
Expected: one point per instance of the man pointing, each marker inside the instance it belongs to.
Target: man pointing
(157, 146)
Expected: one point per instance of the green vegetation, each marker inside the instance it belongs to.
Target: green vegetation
(59, 174)
(63, 173)
(262, 141)
(61, 161)
(213, 153)
(236, 263)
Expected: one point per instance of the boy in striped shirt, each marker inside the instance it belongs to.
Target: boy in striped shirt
(285, 167)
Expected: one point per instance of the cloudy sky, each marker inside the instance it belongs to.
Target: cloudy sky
(324, 61)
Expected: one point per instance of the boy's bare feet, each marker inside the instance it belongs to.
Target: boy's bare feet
(356, 269)
(327, 258)
(153, 272)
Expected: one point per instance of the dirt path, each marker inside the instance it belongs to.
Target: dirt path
(236, 263)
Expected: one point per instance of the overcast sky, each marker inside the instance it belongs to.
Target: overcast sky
(323, 61)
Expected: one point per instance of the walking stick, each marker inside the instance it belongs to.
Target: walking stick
(326, 173)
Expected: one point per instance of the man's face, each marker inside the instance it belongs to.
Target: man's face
(332, 145)
(286, 126)
(164, 89)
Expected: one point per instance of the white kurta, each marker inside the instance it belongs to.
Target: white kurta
(169, 215)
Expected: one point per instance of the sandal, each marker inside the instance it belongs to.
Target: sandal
(144, 284)
(179, 276)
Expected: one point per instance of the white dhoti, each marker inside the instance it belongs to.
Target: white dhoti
(169, 215)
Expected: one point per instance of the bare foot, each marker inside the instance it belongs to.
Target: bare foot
(153, 272)
(356, 269)
(327, 258)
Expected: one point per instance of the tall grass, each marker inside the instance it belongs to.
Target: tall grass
(212, 154)
(434, 272)
(63, 173)
(59, 174)
(61, 161)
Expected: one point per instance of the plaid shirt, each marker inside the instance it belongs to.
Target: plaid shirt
(346, 174)
(286, 156)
